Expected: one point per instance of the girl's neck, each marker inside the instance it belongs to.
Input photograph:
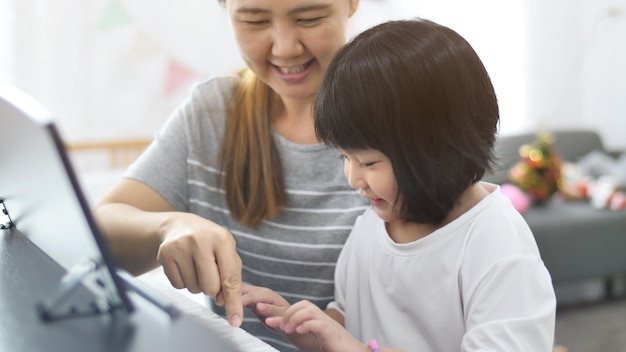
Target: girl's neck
(406, 232)
(472, 195)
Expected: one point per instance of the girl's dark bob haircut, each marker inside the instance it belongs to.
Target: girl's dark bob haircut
(417, 92)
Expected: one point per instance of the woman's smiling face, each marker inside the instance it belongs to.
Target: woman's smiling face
(289, 43)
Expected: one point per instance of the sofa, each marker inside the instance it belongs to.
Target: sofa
(577, 241)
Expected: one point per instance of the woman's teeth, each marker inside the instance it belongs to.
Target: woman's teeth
(294, 69)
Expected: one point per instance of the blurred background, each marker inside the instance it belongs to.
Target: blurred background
(116, 69)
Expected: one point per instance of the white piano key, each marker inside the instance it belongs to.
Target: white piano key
(196, 306)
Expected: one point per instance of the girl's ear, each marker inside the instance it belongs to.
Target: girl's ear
(354, 4)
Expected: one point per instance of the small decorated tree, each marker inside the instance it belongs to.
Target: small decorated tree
(538, 173)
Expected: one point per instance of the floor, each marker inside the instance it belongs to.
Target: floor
(592, 324)
(592, 327)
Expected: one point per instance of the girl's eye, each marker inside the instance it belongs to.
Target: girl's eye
(345, 158)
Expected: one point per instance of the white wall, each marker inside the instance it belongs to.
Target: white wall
(104, 66)
(498, 32)
(576, 72)
(6, 63)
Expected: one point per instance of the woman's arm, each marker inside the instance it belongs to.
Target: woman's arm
(144, 230)
(131, 217)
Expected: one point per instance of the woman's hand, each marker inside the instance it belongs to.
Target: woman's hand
(200, 255)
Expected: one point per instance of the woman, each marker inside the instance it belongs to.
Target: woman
(236, 186)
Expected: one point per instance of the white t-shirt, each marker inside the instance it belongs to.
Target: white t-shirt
(476, 284)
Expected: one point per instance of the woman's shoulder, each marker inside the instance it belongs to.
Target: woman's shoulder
(215, 89)
(209, 100)
(205, 107)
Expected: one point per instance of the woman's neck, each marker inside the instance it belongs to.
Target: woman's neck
(293, 119)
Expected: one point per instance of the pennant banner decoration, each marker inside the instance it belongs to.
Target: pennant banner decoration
(177, 76)
(114, 15)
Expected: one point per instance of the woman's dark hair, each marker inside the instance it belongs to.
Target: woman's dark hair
(417, 92)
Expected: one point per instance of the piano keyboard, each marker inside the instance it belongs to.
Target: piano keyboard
(195, 306)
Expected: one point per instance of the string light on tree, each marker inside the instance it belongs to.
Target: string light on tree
(538, 173)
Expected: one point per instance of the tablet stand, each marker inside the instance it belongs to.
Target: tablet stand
(107, 302)
(9, 224)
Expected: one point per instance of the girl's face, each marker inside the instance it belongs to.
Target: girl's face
(371, 172)
(290, 43)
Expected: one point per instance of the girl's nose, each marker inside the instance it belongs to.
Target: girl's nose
(353, 175)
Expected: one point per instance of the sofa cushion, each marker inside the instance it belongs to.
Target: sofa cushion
(578, 241)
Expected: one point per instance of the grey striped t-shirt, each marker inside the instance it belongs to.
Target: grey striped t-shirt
(293, 254)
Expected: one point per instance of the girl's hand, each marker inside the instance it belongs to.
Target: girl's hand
(264, 303)
(305, 317)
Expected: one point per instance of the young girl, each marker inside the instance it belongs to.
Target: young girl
(441, 261)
